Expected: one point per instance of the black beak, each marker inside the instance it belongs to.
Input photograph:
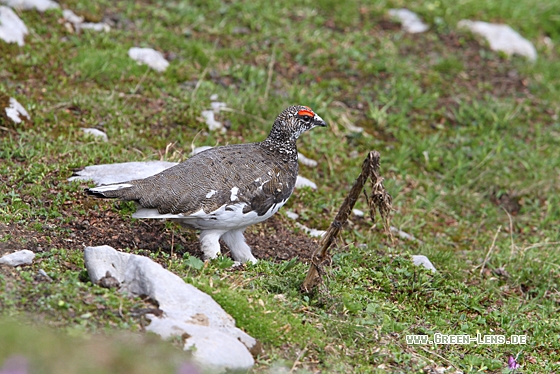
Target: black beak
(319, 121)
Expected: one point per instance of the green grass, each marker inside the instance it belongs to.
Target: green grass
(457, 131)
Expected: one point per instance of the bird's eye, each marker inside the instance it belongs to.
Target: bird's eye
(306, 118)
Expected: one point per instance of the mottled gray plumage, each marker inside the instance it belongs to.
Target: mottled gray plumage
(185, 186)
(242, 179)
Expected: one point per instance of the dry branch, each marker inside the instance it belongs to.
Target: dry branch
(379, 200)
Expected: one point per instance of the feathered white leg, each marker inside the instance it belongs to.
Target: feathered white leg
(239, 249)
(210, 243)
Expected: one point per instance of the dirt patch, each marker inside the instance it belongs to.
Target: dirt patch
(470, 65)
(103, 224)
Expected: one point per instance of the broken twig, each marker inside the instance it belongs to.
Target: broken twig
(379, 200)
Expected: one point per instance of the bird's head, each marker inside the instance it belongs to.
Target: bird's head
(294, 121)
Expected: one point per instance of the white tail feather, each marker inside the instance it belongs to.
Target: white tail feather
(110, 187)
(153, 213)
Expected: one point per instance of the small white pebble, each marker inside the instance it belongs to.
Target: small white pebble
(304, 182)
(358, 212)
(403, 235)
(72, 17)
(217, 105)
(96, 26)
(97, 133)
(311, 232)
(150, 57)
(292, 215)
(423, 261)
(211, 121)
(214, 97)
(45, 275)
(411, 23)
(16, 111)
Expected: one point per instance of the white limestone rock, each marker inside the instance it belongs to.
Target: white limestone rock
(216, 343)
(121, 172)
(24, 257)
(16, 112)
(96, 133)
(150, 57)
(105, 259)
(213, 349)
(40, 5)
(12, 28)
(501, 38)
(410, 22)
(421, 260)
(304, 182)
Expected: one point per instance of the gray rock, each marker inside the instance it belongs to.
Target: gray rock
(24, 257)
(12, 28)
(187, 312)
(410, 22)
(104, 259)
(421, 260)
(43, 274)
(122, 172)
(501, 38)
(150, 57)
(40, 5)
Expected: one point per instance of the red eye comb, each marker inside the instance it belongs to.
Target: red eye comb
(306, 112)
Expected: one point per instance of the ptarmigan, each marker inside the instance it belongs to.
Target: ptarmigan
(223, 190)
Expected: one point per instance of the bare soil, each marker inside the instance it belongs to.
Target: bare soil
(103, 224)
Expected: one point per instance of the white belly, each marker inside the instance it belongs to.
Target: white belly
(231, 219)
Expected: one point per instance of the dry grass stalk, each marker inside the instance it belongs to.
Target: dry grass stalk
(379, 200)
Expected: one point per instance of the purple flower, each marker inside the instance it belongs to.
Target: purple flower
(512, 364)
(186, 368)
(15, 364)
